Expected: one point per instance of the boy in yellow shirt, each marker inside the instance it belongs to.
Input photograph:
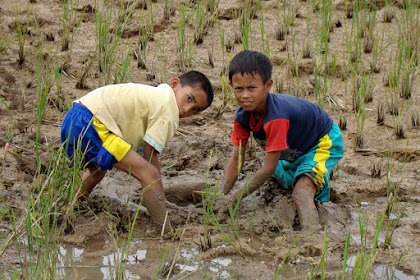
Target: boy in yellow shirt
(113, 123)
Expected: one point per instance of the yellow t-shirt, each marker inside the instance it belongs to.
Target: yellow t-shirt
(135, 112)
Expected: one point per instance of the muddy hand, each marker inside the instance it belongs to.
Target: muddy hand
(221, 208)
(178, 214)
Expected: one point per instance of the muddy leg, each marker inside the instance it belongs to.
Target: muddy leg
(303, 195)
(90, 178)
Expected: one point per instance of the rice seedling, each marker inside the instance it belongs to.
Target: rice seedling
(81, 83)
(5, 42)
(44, 75)
(377, 50)
(185, 44)
(365, 257)
(342, 123)
(122, 70)
(399, 130)
(359, 108)
(368, 43)
(61, 101)
(249, 11)
(117, 270)
(264, 41)
(286, 260)
(316, 5)
(145, 31)
(21, 37)
(197, 262)
(394, 105)
(306, 50)
(415, 118)
(375, 171)
(388, 14)
(321, 270)
(380, 113)
(279, 84)
(408, 77)
(169, 9)
(210, 57)
(227, 96)
(70, 23)
(108, 38)
(222, 43)
(209, 198)
(281, 32)
(161, 49)
(49, 205)
(393, 213)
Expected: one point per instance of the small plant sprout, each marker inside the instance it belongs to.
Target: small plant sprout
(169, 9)
(81, 83)
(380, 113)
(107, 38)
(394, 106)
(342, 123)
(368, 44)
(21, 37)
(306, 50)
(375, 171)
(388, 14)
(210, 56)
(69, 23)
(415, 118)
(399, 130)
(281, 32)
(279, 84)
(264, 39)
(185, 43)
(408, 78)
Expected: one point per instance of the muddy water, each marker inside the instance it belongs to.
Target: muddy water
(92, 261)
(97, 258)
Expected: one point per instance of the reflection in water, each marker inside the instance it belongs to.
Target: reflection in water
(384, 271)
(390, 272)
(77, 263)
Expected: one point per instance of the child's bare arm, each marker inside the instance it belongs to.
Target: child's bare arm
(262, 174)
(149, 176)
(232, 168)
(151, 155)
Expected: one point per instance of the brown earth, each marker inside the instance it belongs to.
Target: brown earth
(202, 143)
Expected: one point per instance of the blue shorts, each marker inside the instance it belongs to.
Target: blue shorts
(317, 163)
(81, 131)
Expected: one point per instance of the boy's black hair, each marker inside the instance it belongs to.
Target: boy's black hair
(251, 62)
(195, 78)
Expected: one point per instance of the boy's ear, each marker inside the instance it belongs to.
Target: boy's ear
(268, 85)
(174, 82)
(230, 83)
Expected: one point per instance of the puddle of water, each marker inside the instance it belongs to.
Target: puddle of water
(386, 271)
(218, 266)
(75, 262)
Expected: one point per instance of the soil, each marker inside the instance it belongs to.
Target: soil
(196, 156)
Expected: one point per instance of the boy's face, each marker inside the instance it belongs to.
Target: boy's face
(250, 91)
(190, 100)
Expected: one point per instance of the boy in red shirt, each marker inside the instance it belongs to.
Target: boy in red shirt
(302, 143)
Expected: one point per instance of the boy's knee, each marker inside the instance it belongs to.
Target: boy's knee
(305, 182)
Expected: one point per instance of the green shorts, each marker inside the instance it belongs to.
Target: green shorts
(317, 163)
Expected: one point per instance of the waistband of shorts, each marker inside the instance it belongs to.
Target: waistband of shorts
(80, 108)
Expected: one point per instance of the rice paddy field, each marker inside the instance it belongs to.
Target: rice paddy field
(358, 60)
